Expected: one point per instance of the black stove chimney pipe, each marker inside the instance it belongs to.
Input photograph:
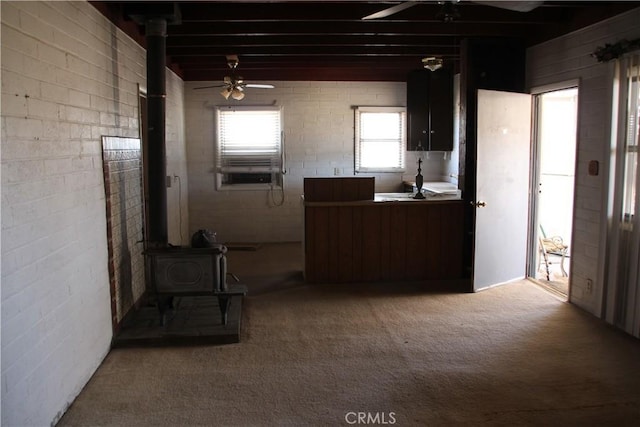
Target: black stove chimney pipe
(156, 33)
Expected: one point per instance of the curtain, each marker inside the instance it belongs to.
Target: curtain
(623, 292)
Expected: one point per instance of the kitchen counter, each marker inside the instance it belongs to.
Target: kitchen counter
(390, 238)
(409, 197)
(392, 197)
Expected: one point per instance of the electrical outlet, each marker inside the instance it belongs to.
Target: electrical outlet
(336, 171)
(589, 286)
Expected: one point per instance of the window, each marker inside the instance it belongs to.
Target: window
(623, 284)
(380, 139)
(249, 148)
(632, 136)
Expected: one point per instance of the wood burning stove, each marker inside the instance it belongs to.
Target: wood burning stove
(182, 271)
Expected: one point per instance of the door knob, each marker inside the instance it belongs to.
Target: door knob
(479, 204)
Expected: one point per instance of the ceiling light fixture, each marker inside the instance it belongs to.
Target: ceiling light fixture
(234, 85)
(234, 92)
(432, 63)
(237, 94)
(449, 12)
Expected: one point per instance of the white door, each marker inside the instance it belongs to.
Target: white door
(502, 187)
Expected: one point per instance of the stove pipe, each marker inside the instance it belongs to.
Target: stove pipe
(156, 33)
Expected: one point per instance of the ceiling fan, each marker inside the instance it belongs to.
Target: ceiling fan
(234, 85)
(518, 6)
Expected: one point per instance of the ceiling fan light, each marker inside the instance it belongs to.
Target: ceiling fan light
(237, 94)
(432, 63)
(226, 92)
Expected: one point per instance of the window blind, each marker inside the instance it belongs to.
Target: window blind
(380, 139)
(249, 140)
(633, 134)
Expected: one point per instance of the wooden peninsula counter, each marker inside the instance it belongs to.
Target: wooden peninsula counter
(389, 237)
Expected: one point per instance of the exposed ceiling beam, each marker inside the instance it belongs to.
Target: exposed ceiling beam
(325, 40)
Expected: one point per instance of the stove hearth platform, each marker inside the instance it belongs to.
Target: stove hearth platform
(194, 320)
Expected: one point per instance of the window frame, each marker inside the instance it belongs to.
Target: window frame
(222, 170)
(402, 142)
(630, 185)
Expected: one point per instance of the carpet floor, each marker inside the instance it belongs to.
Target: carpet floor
(332, 355)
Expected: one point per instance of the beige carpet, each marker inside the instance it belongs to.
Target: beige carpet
(314, 355)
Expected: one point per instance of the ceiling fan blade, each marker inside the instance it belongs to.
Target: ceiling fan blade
(209, 87)
(259, 86)
(390, 11)
(517, 6)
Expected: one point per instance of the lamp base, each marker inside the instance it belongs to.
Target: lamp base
(419, 195)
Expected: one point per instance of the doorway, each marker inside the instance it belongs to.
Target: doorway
(554, 159)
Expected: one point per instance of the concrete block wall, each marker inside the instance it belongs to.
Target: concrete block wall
(68, 78)
(318, 119)
(568, 58)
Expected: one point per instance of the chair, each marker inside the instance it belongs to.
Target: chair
(552, 246)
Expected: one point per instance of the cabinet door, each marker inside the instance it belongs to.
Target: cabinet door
(418, 110)
(430, 110)
(441, 111)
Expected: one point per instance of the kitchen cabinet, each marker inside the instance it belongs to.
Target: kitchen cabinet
(386, 241)
(430, 110)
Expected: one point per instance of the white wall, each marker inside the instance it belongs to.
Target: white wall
(319, 133)
(451, 162)
(68, 78)
(178, 193)
(568, 58)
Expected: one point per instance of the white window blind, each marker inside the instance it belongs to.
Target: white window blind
(380, 139)
(249, 140)
(633, 134)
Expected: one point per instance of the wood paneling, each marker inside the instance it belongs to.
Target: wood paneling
(339, 189)
(383, 242)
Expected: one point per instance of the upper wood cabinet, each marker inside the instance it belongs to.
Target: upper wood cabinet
(430, 110)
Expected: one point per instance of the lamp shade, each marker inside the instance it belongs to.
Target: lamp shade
(237, 94)
(226, 92)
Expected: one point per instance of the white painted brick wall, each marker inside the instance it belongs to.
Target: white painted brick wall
(68, 78)
(318, 122)
(569, 58)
